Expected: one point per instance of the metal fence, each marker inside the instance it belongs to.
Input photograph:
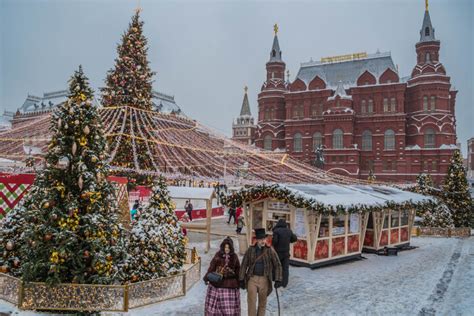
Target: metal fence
(96, 297)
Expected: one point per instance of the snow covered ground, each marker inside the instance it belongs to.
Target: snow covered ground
(435, 279)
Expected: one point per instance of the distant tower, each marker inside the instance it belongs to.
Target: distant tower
(430, 106)
(243, 128)
(271, 101)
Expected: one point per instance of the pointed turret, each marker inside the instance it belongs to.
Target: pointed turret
(243, 127)
(275, 53)
(245, 110)
(427, 32)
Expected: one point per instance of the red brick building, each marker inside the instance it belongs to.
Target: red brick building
(364, 115)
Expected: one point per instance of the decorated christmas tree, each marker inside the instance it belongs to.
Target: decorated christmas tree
(73, 233)
(129, 86)
(156, 242)
(11, 241)
(456, 192)
(424, 184)
(439, 216)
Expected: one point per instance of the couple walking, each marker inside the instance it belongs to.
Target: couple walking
(260, 267)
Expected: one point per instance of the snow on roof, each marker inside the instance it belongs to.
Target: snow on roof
(191, 193)
(346, 71)
(334, 196)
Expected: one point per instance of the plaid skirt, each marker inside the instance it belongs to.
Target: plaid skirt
(222, 301)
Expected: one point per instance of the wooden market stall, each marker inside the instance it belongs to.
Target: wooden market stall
(391, 226)
(329, 220)
(196, 194)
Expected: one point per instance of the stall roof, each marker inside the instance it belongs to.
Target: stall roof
(345, 195)
(191, 193)
(334, 196)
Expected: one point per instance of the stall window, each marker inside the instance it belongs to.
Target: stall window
(324, 227)
(370, 222)
(338, 225)
(385, 221)
(257, 215)
(404, 218)
(354, 223)
(395, 219)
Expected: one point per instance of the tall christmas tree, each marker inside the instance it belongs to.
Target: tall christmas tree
(156, 242)
(129, 85)
(456, 192)
(75, 235)
(424, 184)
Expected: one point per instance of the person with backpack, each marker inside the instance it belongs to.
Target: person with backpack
(282, 237)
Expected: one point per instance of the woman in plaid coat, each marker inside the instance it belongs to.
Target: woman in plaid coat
(223, 298)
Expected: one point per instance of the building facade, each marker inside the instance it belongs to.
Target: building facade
(365, 116)
(243, 127)
(470, 158)
(35, 106)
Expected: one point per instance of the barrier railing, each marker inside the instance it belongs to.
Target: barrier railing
(97, 297)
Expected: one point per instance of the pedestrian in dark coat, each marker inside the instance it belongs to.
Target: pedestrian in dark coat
(189, 210)
(282, 237)
(232, 212)
(259, 266)
(223, 298)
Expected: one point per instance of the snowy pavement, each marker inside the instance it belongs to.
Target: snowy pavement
(435, 279)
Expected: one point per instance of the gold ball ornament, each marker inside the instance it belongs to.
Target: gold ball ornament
(94, 159)
(145, 262)
(109, 257)
(46, 205)
(10, 245)
(71, 110)
(134, 278)
(4, 269)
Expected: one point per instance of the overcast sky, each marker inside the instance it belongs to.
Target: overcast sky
(204, 53)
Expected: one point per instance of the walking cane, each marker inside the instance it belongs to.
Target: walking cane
(278, 301)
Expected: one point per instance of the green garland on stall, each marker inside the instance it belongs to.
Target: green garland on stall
(280, 193)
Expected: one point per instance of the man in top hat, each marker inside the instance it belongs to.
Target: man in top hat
(256, 273)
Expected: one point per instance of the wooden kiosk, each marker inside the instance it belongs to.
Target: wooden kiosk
(329, 220)
(196, 194)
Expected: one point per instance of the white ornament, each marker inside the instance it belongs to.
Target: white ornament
(74, 148)
(76, 122)
(80, 182)
(86, 130)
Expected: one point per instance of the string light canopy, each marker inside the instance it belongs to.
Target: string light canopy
(176, 147)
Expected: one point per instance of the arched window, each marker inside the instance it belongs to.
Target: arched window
(389, 140)
(427, 31)
(370, 107)
(430, 138)
(267, 142)
(297, 143)
(367, 140)
(425, 103)
(272, 114)
(273, 53)
(385, 104)
(363, 107)
(393, 105)
(427, 58)
(266, 115)
(433, 103)
(317, 140)
(337, 139)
